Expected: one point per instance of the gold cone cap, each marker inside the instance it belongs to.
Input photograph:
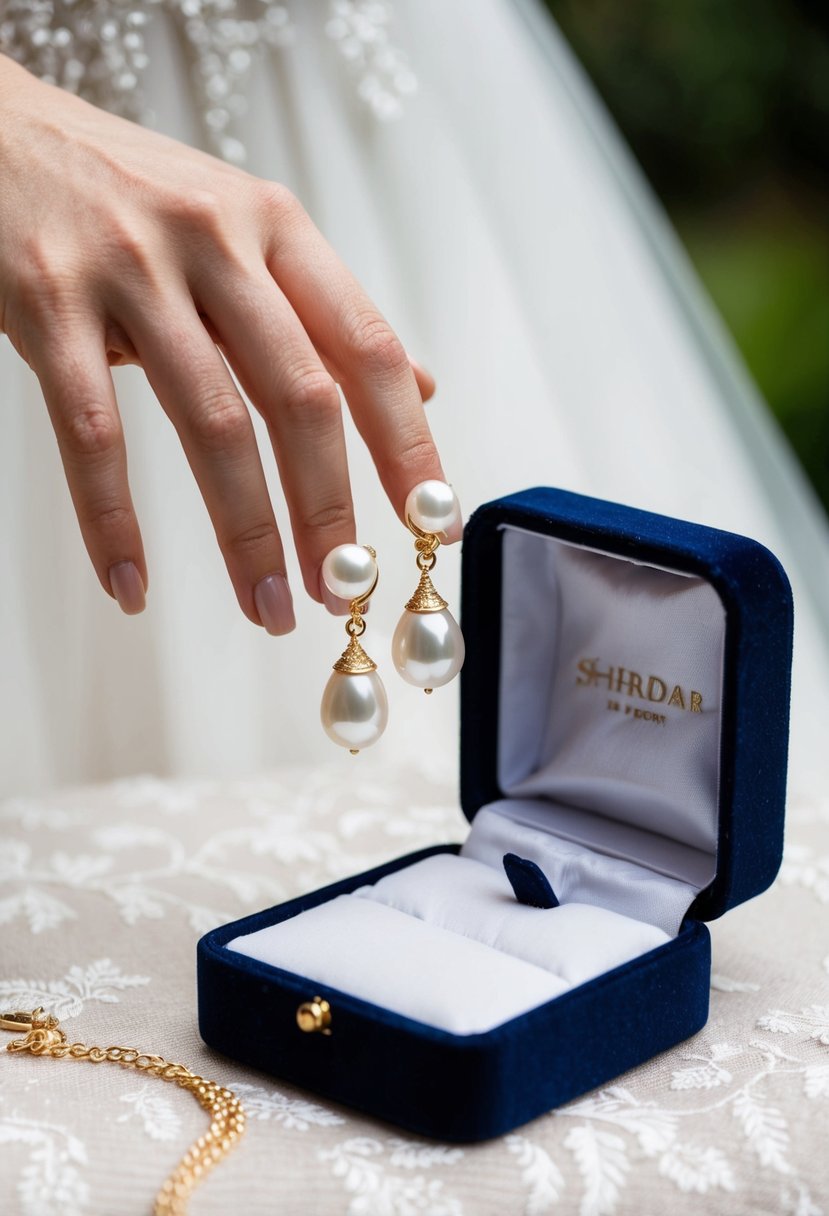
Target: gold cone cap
(354, 661)
(425, 598)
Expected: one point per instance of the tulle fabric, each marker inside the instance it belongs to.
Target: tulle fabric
(508, 236)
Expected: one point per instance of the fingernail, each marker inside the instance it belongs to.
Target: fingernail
(272, 597)
(127, 587)
(333, 602)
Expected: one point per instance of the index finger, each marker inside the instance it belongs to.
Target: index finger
(369, 359)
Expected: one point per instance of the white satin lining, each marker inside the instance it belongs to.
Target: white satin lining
(559, 739)
(580, 874)
(632, 779)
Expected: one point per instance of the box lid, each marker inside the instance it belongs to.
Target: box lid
(632, 734)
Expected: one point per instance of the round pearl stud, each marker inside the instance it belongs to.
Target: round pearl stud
(433, 507)
(354, 710)
(349, 571)
(428, 648)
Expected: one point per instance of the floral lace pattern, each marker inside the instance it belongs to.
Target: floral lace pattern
(98, 49)
(106, 890)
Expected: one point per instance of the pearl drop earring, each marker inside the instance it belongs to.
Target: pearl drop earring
(354, 709)
(428, 647)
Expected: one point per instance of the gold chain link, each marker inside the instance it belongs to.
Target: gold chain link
(227, 1117)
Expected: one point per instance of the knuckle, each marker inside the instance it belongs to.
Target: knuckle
(277, 201)
(89, 431)
(253, 540)
(312, 394)
(376, 346)
(202, 210)
(334, 516)
(205, 219)
(131, 246)
(281, 217)
(110, 519)
(222, 423)
(416, 455)
(42, 278)
(36, 253)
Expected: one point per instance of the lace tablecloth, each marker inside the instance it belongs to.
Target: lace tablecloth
(106, 890)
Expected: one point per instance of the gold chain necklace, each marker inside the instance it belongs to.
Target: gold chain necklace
(43, 1037)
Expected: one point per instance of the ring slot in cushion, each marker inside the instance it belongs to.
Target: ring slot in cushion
(582, 875)
(574, 941)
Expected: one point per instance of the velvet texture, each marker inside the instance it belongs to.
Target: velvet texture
(471, 1087)
(529, 882)
(453, 1087)
(757, 599)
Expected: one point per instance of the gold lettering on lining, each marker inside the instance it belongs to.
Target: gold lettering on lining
(632, 684)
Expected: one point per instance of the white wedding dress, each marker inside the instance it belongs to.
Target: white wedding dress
(500, 223)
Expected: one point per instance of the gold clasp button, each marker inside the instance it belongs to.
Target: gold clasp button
(314, 1016)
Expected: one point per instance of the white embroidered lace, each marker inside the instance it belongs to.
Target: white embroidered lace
(97, 49)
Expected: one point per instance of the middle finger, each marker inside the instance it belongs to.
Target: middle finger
(196, 391)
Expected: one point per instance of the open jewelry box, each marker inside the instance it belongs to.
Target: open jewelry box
(624, 724)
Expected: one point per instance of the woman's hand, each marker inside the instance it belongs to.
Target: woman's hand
(120, 245)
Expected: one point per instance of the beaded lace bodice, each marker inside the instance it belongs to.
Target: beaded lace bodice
(98, 49)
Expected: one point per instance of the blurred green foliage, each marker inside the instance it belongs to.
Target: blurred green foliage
(726, 106)
(770, 280)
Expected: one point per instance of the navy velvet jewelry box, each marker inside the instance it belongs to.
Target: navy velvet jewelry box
(624, 723)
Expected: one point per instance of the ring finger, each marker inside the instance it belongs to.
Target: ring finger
(284, 378)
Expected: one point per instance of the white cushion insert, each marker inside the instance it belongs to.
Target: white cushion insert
(401, 963)
(575, 941)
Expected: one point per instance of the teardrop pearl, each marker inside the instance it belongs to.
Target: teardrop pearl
(428, 648)
(354, 709)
